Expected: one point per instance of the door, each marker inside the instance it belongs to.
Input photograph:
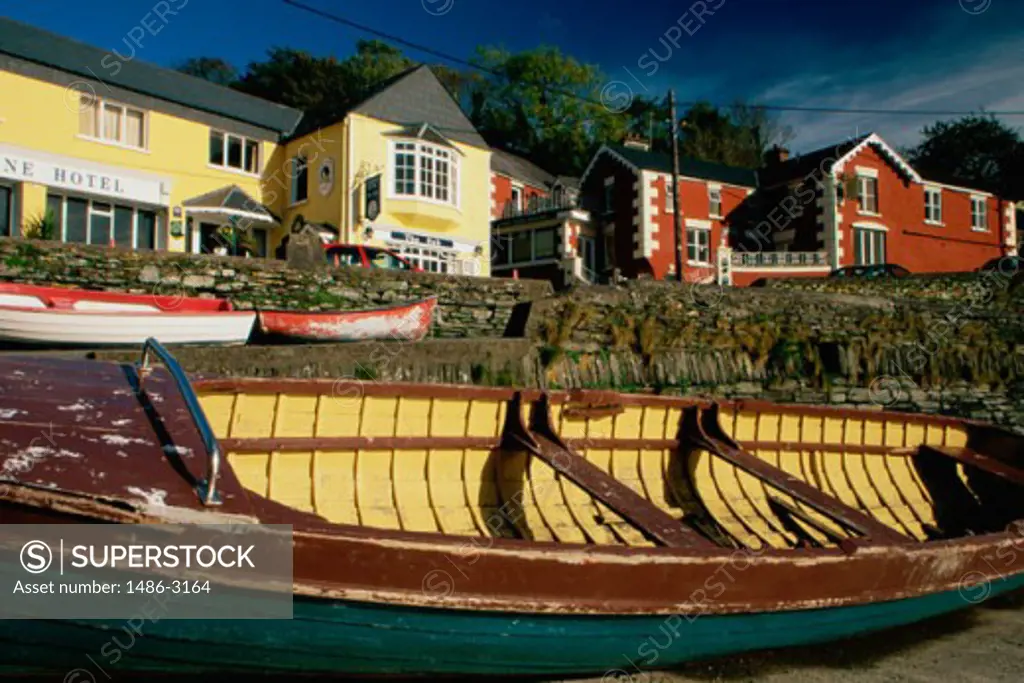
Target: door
(6, 227)
(588, 252)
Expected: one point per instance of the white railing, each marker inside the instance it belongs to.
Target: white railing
(779, 259)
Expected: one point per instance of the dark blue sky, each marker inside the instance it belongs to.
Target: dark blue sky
(878, 54)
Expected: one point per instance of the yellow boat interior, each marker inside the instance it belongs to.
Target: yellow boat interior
(610, 469)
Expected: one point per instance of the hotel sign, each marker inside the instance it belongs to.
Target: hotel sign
(77, 176)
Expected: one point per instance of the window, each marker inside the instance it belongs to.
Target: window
(868, 246)
(698, 245)
(979, 214)
(522, 246)
(111, 122)
(932, 205)
(380, 258)
(670, 197)
(502, 249)
(715, 202)
(867, 194)
(92, 222)
(517, 198)
(430, 260)
(425, 171)
(544, 243)
(344, 256)
(300, 179)
(234, 151)
(609, 194)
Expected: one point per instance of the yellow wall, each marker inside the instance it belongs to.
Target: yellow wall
(43, 116)
(368, 156)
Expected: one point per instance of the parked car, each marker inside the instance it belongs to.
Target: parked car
(1008, 265)
(366, 257)
(876, 270)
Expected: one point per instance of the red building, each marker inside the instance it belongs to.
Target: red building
(627, 191)
(857, 202)
(536, 225)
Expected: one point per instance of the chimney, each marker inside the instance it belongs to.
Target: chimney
(776, 155)
(637, 142)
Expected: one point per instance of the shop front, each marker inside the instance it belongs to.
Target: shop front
(81, 201)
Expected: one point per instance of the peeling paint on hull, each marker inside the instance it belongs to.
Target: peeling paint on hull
(408, 322)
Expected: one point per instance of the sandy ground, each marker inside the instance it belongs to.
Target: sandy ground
(982, 644)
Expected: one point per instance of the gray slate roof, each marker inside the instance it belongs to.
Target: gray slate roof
(416, 96)
(228, 197)
(59, 52)
(692, 168)
(518, 168)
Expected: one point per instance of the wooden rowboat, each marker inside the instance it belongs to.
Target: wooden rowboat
(463, 530)
(405, 322)
(57, 316)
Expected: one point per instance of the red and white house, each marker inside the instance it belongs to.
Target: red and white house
(628, 192)
(857, 202)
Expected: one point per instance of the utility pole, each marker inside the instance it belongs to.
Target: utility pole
(677, 216)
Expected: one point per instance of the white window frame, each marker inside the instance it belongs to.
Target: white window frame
(714, 198)
(697, 230)
(933, 205)
(868, 257)
(979, 219)
(516, 196)
(100, 104)
(245, 140)
(421, 152)
(866, 177)
(91, 209)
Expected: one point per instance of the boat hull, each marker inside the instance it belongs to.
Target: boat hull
(71, 328)
(347, 638)
(409, 322)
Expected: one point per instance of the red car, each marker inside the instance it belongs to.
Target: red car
(366, 257)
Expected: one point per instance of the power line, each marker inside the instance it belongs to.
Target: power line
(568, 93)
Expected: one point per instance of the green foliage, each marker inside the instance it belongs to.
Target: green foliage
(544, 104)
(737, 136)
(42, 226)
(977, 151)
(213, 69)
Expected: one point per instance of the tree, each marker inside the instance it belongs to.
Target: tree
(545, 105)
(323, 87)
(977, 151)
(738, 135)
(213, 69)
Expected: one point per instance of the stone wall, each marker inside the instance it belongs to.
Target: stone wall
(939, 286)
(467, 306)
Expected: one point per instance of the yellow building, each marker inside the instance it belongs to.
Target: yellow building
(405, 169)
(127, 153)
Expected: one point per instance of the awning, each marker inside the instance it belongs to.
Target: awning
(230, 204)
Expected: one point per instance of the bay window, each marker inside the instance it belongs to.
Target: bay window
(425, 171)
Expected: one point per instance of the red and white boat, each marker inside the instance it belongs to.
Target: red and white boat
(56, 316)
(406, 322)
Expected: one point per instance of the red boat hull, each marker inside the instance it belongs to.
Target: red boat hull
(66, 298)
(408, 322)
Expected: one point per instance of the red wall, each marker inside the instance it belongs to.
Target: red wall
(695, 204)
(910, 242)
(501, 193)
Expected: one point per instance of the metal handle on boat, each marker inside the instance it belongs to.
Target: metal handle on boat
(207, 489)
